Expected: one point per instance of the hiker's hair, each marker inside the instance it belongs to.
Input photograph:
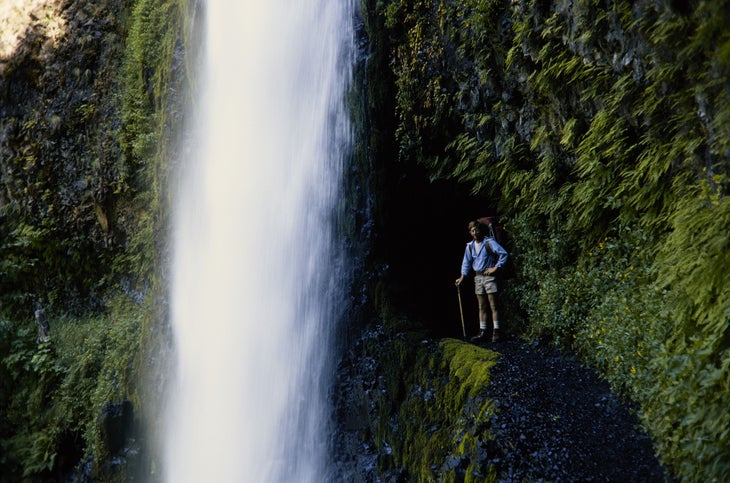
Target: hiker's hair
(478, 224)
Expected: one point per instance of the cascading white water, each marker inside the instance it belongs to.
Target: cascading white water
(258, 279)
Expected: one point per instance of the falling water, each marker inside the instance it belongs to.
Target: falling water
(258, 282)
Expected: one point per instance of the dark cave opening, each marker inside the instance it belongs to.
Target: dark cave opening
(423, 235)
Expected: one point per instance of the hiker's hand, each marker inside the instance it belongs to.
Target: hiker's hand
(491, 271)
(459, 280)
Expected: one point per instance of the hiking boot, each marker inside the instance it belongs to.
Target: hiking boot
(495, 335)
(479, 337)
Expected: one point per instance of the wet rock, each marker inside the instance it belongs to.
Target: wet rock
(44, 327)
(122, 451)
(115, 425)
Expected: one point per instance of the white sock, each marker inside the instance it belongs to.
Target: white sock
(482, 326)
(496, 324)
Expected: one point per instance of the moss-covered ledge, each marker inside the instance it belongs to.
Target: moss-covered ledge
(418, 405)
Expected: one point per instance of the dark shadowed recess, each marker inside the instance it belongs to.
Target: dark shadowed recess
(422, 239)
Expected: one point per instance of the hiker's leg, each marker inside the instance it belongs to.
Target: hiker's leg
(483, 301)
(493, 306)
(496, 337)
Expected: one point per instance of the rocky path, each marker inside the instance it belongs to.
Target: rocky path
(557, 421)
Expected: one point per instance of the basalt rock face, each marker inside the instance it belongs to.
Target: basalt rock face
(119, 438)
(91, 96)
(60, 114)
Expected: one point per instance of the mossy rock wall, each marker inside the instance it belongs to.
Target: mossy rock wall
(418, 404)
(601, 129)
(91, 99)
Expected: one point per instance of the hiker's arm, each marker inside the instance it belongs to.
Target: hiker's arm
(500, 252)
(466, 263)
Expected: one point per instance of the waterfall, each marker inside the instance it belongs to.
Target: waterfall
(259, 275)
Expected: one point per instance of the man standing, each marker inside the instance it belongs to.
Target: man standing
(485, 256)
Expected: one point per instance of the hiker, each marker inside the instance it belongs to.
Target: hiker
(485, 256)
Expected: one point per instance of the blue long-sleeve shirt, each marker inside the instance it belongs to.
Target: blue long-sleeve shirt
(494, 256)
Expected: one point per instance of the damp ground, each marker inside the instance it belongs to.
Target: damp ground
(555, 421)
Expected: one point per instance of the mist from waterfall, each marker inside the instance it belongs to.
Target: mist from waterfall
(259, 270)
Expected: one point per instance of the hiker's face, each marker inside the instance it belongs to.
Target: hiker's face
(476, 233)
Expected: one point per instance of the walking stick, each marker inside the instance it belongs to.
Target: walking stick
(461, 311)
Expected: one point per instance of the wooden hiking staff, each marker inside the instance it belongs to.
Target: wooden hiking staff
(461, 311)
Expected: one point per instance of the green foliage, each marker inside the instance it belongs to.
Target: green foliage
(603, 129)
(695, 363)
(154, 33)
(85, 154)
(32, 450)
(697, 254)
(624, 318)
(59, 387)
(644, 338)
(17, 264)
(82, 219)
(429, 71)
(147, 64)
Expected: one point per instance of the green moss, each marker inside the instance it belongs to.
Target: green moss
(155, 30)
(433, 417)
(468, 367)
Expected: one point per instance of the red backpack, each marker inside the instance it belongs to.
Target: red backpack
(495, 229)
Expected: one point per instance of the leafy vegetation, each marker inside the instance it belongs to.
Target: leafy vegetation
(53, 391)
(602, 129)
(83, 215)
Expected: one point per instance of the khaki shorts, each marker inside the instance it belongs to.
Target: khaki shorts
(485, 284)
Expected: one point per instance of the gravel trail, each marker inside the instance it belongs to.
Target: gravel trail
(557, 421)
